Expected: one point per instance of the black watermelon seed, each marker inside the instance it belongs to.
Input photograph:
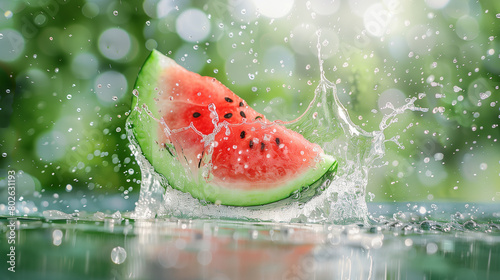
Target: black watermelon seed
(228, 99)
(278, 141)
(201, 158)
(243, 114)
(262, 146)
(228, 115)
(251, 144)
(242, 134)
(196, 114)
(258, 117)
(241, 104)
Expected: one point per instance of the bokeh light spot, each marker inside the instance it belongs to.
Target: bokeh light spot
(90, 10)
(114, 43)
(11, 45)
(151, 44)
(304, 39)
(274, 8)
(8, 14)
(437, 4)
(110, 86)
(392, 95)
(193, 25)
(165, 7)
(457, 8)
(467, 28)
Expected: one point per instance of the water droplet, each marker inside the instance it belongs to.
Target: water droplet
(4, 154)
(115, 13)
(498, 15)
(118, 255)
(114, 98)
(148, 23)
(221, 25)
(483, 166)
(484, 95)
(251, 76)
(1, 36)
(195, 47)
(216, 70)
(69, 96)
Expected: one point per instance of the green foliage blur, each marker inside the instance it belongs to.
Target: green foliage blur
(67, 70)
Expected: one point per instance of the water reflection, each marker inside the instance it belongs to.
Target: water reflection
(403, 245)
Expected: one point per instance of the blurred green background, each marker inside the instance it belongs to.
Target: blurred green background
(67, 70)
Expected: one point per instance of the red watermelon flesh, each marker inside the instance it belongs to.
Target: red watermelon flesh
(231, 154)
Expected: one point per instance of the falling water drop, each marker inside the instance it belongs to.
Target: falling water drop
(118, 255)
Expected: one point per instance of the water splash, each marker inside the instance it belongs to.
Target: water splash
(325, 122)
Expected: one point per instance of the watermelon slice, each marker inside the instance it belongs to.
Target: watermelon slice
(207, 141)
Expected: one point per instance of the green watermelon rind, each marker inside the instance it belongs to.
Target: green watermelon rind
(145, 131)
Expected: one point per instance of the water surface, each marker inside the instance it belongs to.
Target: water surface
(402, 241)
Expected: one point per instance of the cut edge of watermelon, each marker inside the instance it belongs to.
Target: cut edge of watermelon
(322, 171)
(145, 131)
